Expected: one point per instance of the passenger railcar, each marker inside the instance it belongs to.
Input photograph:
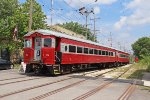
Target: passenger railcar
(58, 53)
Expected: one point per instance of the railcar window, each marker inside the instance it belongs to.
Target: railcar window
(95, 52)
(79, 49)
(27, 43)
(72, 48)
(66, 48)
(86, 50)
(103, 52)
(47, 42)
(90, 51)
(112, 54)
(106, 52)
(100, 53)
(109, 53)
(122, 55)
(37, 41)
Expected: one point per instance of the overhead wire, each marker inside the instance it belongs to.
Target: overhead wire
(55, 13)
(60, 15)
(73, 9)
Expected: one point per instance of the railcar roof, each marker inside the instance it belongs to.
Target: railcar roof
(59, 34)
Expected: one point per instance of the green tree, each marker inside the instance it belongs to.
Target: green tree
(38, 17)
(13, 14)
(7, 22)
(142, 47)
(79, 29)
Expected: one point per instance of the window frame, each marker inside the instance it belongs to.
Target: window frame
(44, 43)
(97, 52)
(90, 51)
(87, 50)
(106, 53)
(103, 53)
(75, 49)
(30, 41)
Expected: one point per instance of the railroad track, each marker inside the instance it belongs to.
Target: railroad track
(20, 81)
(83, 96)
(10, 71)
(95, 71)
(104, 72)
(42, 96)
(13, 78)
(33, 87)
(56, 91)
(97, 89)
(128, 92)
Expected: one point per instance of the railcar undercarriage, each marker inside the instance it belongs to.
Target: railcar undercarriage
(67, 68)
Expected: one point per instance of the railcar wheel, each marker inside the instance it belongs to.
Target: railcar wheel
(28, 68)
(61, 70)
(65, 69)
(104, 65)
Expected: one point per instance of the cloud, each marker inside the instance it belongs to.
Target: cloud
(122, 22)
(124, 35)
(80, 3)
(96, 10)
(140, 14)
(55, 20)
(69, 14)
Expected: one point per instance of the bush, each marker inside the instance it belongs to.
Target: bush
(145, 62)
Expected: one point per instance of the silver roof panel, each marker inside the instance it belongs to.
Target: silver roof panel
(58, 34)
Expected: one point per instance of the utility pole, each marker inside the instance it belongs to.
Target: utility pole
(30, 15)
(119, 45)
(51, 12)
(86, 24)
(95, 26)
(85, 12)
(124, 47)
(110, 39)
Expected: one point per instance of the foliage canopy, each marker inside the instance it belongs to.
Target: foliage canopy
(79, 29)
(13, 14)
(141, 47)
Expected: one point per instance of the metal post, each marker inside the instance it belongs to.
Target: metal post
(51, 12)
(30, 12)
(95, 26)
(86, 27)
(119, 45)
(110, 40)
(85, 12)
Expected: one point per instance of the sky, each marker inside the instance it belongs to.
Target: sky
(124, 20)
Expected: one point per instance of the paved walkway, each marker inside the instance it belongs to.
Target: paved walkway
(146, 79)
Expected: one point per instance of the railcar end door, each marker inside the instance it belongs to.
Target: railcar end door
(37, 48)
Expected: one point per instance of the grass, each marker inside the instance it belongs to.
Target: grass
(137, 69)
(145, 62)
(16, 66)
(117, 72)
(134, 73)
(145, 88)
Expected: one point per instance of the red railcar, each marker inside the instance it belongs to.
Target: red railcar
(56, 53)
(136, 59)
